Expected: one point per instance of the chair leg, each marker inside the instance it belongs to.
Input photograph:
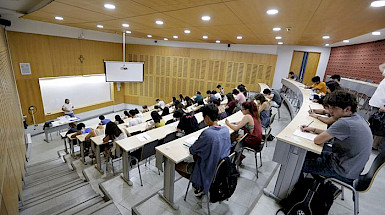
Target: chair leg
(260, 157)
(112, 164)
(355, 202)
(256, 162)
(279, 114)
(188, 186)
(342, 193)
(140, 175)
(208, 205)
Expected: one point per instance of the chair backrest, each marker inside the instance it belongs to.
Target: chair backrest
(135, 133)
(170, 137)
(149, 149)
(272, 117)
(364, 182)
(202, 125)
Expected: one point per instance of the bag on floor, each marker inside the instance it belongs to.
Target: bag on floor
(309, 197)
(377, 123)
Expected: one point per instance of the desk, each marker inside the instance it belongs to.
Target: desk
(175, 152)
(262, 86)
(60, 124)
(71, 142)
(362, 87)
(290, 150)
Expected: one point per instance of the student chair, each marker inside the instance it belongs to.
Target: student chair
(169, 137)
(135, 133)
(278, 107)
(364, 182)
(267, 129)
(202, 125)
(148, 150)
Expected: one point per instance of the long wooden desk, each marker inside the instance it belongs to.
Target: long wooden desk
(290, 150)
(175, 152)
(59, 124)
(359, 86)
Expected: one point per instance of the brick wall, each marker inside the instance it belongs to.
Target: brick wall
(358, 61)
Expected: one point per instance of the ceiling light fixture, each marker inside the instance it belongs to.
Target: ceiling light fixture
(175, 36)
(280, 43)
(325, 37)
(159, 22)
(376, 33)
(59, 18)
(205, 37)
(109, 6)
(327, 44)
(149, 35)
(100, 26)
(187, 31)
(378, 3)
(345, 41)
(125, 25)
(272, 11)
(218, 41)
(278, 37)
(239, 37)
(206, 18)
(276, 29)
(128, 32)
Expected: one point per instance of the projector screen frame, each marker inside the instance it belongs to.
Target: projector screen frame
(105, 71)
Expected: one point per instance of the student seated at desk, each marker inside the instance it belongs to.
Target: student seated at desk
(221, 90)
(221, 110)
(239, 97)
(81, 129)
(126, 115)
(198, 97)
(189, 101)
(160, 103)
(114, 133)
(274, 96)
(212, 145)
(72, 129)
(118, 120)
(216, 94)
(327, 119)
(250, 125)
(231, 104)
(144, 109)
(157, 121)
(135, 120)
(331, 86)
(293, 76)
(188, 123)
(318, 85)
(263, 109)
(103, 120)
(336, 78)
(94, 132)
(351, 145)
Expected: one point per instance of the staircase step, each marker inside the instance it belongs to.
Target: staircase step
(45, 167)
(59, 201)
(91, 209)
(50, 178)
(40, 175)
(110, 209)
(53, 160)
(90, 202)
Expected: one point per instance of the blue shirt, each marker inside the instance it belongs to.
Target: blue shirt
(212, 145)
(105, 121)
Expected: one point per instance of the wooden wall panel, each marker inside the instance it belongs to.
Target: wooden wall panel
(12, 147)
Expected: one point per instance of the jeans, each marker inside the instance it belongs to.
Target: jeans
(70, 114)
(322, 165)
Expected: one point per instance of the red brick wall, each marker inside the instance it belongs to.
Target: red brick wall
(358, 61)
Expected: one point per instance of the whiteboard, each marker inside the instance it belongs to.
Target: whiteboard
(80, 90)
(124, 71)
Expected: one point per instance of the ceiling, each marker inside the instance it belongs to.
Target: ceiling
(309, 20)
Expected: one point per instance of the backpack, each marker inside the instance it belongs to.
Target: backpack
(377, 123)
(309, 197)
(224, 182)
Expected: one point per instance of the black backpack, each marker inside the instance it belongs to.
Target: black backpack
(224, 182)
(309, 197)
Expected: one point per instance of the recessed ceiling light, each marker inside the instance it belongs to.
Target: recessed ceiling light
(125, 25)
(175, 37)
(278, 37)
(159, 22)
(187, 31)
(100, 26)
(59, 18)
(109, 6)
(218, 41)
(165, 39)
(206, 18)
(376, 33)
(239, 37)
(327, 44)
(378, 3)
(272, 11)
(149, 35)
(345, 41)
(325, 37)
(280, 43)
(205, 37)
(128, 32)
(276, 29)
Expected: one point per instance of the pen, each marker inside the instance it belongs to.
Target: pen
(310, 123)
(310, 107)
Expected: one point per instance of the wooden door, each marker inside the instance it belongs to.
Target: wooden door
(311, 67)
(296, 62)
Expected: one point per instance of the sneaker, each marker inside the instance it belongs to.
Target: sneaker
(198, 193)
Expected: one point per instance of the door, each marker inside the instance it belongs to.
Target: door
(305, 64)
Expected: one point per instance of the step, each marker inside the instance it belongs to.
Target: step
(46, 189)
(90, 209)
(50, 178)
(53, 160)
(110, 209)
(42, 168)
(45, 173)
(93, 200)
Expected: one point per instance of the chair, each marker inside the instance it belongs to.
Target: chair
(202, 125)
(267, 129)
(135, 133)
(364, 182)
(278, 107)
(169, 137)
(148, 150)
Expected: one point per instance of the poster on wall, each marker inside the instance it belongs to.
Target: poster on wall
(25, 68)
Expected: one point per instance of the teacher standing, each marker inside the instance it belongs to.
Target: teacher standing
(68, 108)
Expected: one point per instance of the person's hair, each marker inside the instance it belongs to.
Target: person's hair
(252, 107)
(208, 91)
(144, 107)
(260, 97)
(216, 102)
(230, 97)
(178, 113)
(316, 79)
(166, 111)
(240, 86)
(181, 96)
(242, 89)
(173, 99)
(72, 125)
(219, 86)
(80, 126)
(235, 91)
(136, 111)
(341, 99)
(156, 117)
(336, 76)
(112, 130)
(200, 102)
(267, 91)
(157, 100)
(126, 113)
(291, 73)
(211, 111)
(117, 118)
(332, 85)
(198, 92)
(101, 117)
(132, 112)
(65, 100)
(179, 105)
(214, 92)
(157, 107)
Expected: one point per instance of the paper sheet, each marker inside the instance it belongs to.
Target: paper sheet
(320, 115)
(188, 142)
(143, 137)
(305, 135)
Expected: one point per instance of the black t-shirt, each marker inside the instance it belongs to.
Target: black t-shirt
(188, 123)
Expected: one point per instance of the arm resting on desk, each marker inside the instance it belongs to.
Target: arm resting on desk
(322, 136)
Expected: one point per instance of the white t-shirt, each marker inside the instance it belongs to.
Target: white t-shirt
(68, 107)
(135, 121)
(161, 104)
(218, 96)
(139, 115)
(378, 98)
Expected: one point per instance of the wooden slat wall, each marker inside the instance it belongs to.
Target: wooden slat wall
(170, 71)
(51, 56)
(12, 148)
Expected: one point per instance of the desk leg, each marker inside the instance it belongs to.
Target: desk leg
(46, 135)
(98, 165)
(169, 178)
(72, 147)
(126, 169)
(82, 158)
(65, 145)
